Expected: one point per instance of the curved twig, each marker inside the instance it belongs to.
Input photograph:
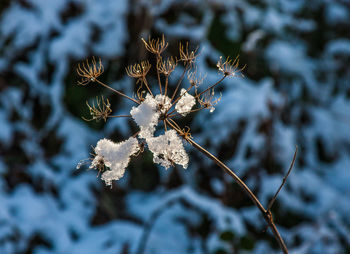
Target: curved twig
(266, 213)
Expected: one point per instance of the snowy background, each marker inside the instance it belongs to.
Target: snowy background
(296, 91)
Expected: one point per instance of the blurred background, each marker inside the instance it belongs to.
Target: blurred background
(295, 91)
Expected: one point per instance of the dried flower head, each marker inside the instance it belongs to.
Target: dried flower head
(168, 150)
(230, 67)
(208, 101)
(138, 71)
(101, 111)
(89, 72)
(194, 79)
(166, 67)
(153, 110)
(185, 56)
(155, 46)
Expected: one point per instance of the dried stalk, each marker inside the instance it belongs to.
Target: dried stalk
(266, 213)
(284, 180)
(116, 91)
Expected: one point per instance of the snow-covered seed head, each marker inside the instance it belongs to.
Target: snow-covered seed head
(115, 156)
(153, 110)
(186, 103)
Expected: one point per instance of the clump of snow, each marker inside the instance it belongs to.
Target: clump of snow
(146, 116)
(185, 104)
(164, 103)
(115, 156)
(168, 149)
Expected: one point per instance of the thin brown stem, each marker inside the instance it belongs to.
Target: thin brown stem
(172, 113)
(210, 87)
(165, 128)
(121, 116)
(284, 180)
(174, 125)
(179, 82)
(116, 91)
(166, 85)
(266, 214)
(159, 59)
(144, 80)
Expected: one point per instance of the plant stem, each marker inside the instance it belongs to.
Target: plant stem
(284, 180)
(116, 91)
(179, 82)
(210, 87)
(266, 214)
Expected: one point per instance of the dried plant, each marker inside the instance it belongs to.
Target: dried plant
(101, 111)
(166, 67)
(230, 67)
(155, 46)
(208, 101)
(185, 56)
(89, 72)
(152, 109)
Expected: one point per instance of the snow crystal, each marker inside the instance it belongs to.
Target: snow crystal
(115, 156)
(168, 149)
(186, 103)
(146, 116)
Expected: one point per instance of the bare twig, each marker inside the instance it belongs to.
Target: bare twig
(266, 213)
(179, 81)
(284, 180)
(116, 91)
(121, 116)
(212, 86)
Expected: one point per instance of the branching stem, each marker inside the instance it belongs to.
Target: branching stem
(159, 59)
(210, 87)
(179, 82)
(144, 80)
(121, 116)
(116, 91)
(266, 213)
(284, 180)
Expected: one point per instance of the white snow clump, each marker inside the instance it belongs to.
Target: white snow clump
(115, 156)
(164, 101)
(146, 116)
(186, 103)
(168, 149)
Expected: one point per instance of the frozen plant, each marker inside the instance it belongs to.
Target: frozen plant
(152, 111)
